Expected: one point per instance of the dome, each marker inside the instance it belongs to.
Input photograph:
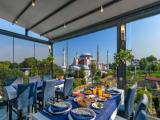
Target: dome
(63, 67)
(75, 67)
(86, 67)
(86, 54)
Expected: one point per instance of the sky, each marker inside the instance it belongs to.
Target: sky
(22, 48)
(143, 38)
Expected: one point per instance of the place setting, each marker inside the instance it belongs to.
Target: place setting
(55, 108)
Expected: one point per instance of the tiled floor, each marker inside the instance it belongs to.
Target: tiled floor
(119, 118)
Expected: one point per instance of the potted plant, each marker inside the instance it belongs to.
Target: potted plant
(140, 92)
(121, 59)
(123, 56)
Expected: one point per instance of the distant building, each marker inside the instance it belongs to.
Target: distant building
(85, 60)
(135, 62)
(64, 60)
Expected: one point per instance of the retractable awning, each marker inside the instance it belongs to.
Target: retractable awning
(62, 19)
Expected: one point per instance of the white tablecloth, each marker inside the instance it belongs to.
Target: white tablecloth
(12, 93)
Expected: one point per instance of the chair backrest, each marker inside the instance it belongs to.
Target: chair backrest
(17, 81)
(142, 105)
(23, 92)
(142, 115)
(129, 101)
(34, 79)
(3, 112)
(47, 77)
(9, 81)
(33, 94)
(68, 86)
(48, 90)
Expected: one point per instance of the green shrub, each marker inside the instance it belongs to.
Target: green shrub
(104, 75)
(83, 81)
(140, 92)
(77, 82)
(97, 79)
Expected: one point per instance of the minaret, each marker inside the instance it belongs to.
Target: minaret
(107, 61)
(97, 56)
(67, 54)
(64, 59)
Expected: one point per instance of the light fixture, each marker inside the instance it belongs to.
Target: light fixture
(49, 47)
(102, 10)
(122, 28)
(123, 34)
(64, 26)
(33, 3)
(16, 21)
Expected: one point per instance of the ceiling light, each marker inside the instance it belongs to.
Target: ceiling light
(64, 26)
(33, 3)
(102, 10)
(16, 21)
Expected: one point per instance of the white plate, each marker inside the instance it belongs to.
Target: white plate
(85, 110)
(67, 110)
(95, 105)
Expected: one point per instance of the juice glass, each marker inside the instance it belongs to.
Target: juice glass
(94, 91)
(100, 92)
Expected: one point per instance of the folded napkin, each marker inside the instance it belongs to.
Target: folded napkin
(78, 115)
(57, 107)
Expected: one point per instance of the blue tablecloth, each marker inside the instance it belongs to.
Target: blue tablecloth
(101, 114)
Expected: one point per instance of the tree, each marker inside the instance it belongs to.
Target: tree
(58, 71)
(151, 59)
(143, 63)
(93, 69)
(97, 79)
(29, 62)
(5, 64)
(82, 73)
(76, 74)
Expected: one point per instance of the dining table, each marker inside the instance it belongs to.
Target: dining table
(12, 91)
(108, 112)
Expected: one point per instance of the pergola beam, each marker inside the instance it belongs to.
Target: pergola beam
(22, 12)
(81, 16)
(51, 14)
(20, 36)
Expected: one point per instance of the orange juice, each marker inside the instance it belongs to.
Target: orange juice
(100, 92)
(94, 91)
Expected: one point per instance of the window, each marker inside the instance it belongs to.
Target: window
(23, 49)
(143, 38)
(41, 51)
(6, 48)
(87, 50)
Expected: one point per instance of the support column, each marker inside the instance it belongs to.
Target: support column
(13, 60)
(26, 32)
(121, 44)
(51, 53)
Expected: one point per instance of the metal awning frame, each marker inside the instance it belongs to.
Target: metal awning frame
(137, 14)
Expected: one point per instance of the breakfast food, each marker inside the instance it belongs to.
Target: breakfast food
(77, 99)
(83, 103)
(88, 92)
(98, 105)
(90, 98)
(102, 99)
(107, 95)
